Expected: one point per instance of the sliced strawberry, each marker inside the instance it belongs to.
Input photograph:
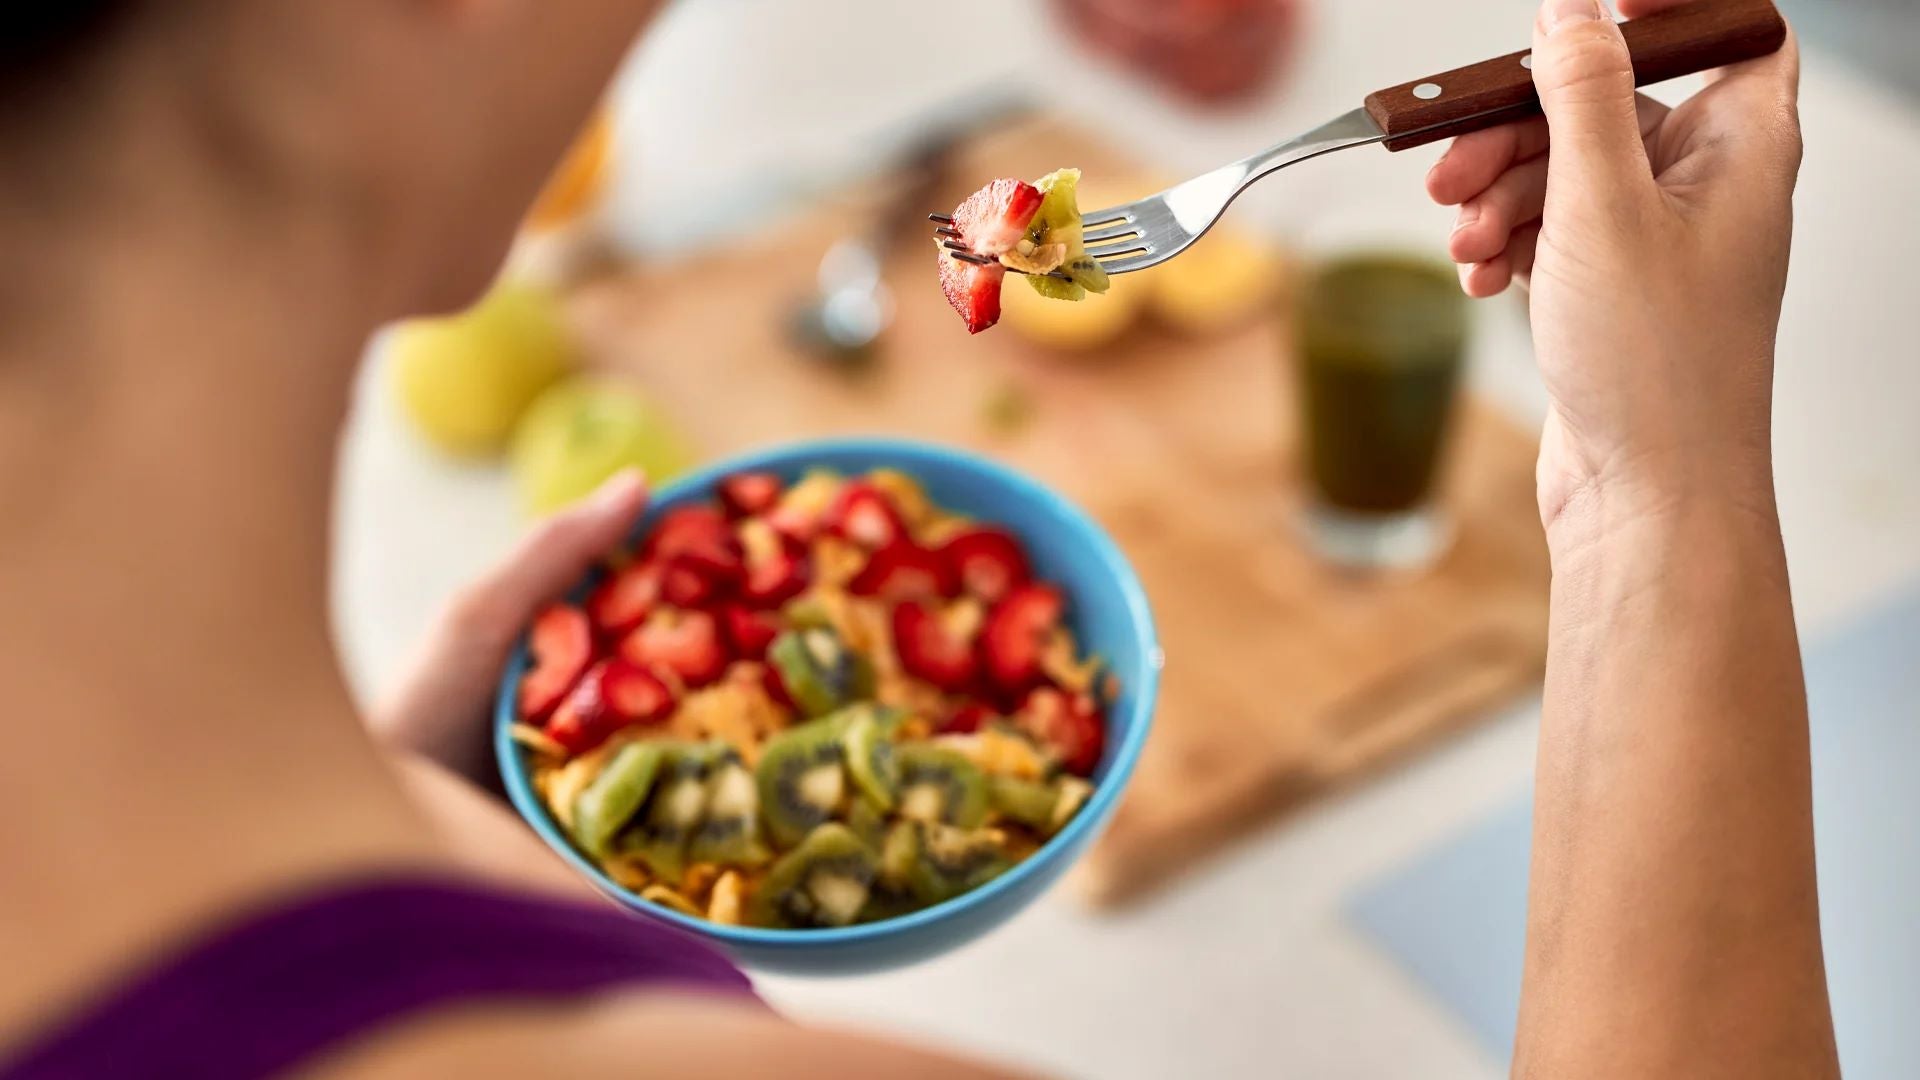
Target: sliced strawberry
(562, 646)
(864, 515)
(698, 530)
(973, 290)
(747, 493)
(777, 577)
(1015, 635)
(966, 720)
(691, 580)
(1072, 725)
(995, 218)
(686, 643)
(929, 651)
(578, 734)
(987, 562)
(634, 694)
(616, 693)
(904, 570)
(722, 561)
(625, 599)
(699, 556)
(749, 631)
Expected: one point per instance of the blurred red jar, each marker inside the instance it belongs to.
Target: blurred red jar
(1214, 52)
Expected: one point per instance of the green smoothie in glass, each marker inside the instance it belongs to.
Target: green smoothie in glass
(1381, 339)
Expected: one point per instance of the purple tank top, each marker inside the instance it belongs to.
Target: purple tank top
(280, 987)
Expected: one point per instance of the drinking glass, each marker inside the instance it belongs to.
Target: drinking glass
(1381, 336)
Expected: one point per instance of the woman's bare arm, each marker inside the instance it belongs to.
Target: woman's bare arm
(1673, 928)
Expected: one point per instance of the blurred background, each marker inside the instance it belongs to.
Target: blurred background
(1320, 871)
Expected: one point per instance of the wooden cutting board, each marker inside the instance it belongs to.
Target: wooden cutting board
(1284, 677)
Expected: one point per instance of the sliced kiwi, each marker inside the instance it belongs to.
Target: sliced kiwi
(801, 780)
(1041, 807)
(819, 671)
(952, 861)
(883, 904)
(868, 822)
(729, 834)
(1058, 222)
(1087, 272)
(899, 852)
(673, 813)
(940, 786)
(867, 742)
(826, 881)
(612, 799)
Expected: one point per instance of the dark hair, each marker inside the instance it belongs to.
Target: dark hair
(42, 39)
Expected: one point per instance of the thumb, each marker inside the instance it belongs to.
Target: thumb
(1584, 77)
(548, 561)
(435, 709)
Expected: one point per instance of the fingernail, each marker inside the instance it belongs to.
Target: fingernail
(1561, 13)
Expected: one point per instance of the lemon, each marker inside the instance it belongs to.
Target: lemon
(582, 431)
(1223, 280)
(465, 380)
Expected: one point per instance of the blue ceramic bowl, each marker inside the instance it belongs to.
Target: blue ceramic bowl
(1107, 610)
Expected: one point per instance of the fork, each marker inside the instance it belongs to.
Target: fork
(1678, 41)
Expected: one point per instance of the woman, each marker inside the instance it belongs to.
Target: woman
(212, 871)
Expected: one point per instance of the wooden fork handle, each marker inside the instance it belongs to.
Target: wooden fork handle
(1690, 38)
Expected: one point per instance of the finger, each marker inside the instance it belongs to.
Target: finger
(1584, 77)
(1490, 218)
(1477, 160)
(1483, 279)
(549, 561)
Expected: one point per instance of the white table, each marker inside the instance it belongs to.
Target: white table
(1246, 969)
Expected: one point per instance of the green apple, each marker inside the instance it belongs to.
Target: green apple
(465, 380)
(583, 430)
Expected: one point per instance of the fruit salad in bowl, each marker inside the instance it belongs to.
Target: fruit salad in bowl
(837, 706)
(1033, 229)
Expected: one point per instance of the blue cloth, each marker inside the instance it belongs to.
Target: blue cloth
(1455, 917)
